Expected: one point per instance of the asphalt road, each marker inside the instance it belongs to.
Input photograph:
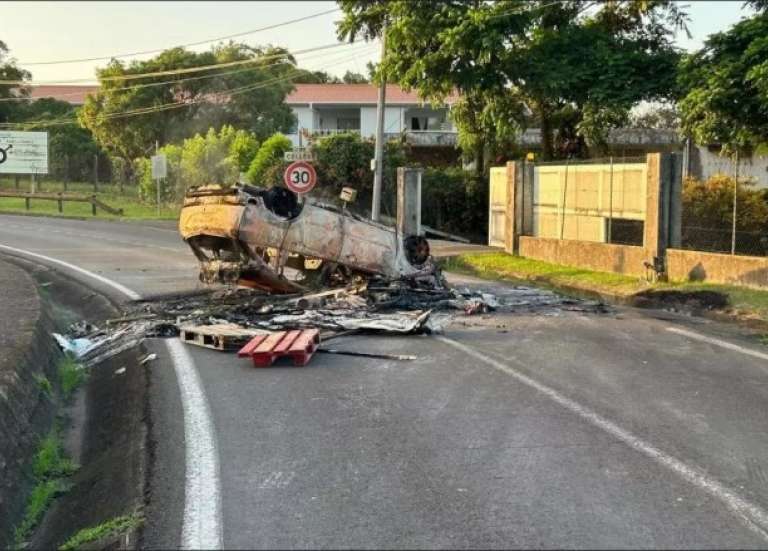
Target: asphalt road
(557, 429)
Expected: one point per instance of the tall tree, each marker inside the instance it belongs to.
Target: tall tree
(9, 71)
(576, 66)
(350, 77)
(127, 116)
(726, 86)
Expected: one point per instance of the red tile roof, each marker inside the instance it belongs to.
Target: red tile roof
(351, 93)
(72, 94)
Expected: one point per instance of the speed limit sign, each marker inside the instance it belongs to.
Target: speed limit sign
(300, 177)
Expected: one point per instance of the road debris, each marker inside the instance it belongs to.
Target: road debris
(399, 357)
(218, 336)
(280, 268)
(299, 345)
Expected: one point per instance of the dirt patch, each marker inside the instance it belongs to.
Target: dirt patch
(694, 302)
(107, 425)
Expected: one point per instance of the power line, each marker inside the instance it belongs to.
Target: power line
(188, 79)
(145, 52)
(185, 70)
(175, 105)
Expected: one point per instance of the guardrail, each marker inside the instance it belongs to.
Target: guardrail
(61, 198)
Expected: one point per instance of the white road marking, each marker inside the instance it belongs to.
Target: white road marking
(133, 295)
(754, 516)
(202, 495)
(202, 503)
(718, 342)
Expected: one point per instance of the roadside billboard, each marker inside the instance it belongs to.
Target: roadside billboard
(23, 152)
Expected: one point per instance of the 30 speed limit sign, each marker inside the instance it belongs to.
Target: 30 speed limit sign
(300, 177)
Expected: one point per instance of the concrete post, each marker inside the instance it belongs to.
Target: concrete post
(663, 207)
(519, 211)
(409, 201)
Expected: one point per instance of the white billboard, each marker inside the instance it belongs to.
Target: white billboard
(23, 152)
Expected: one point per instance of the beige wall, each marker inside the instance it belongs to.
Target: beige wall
(604, 257)
(575, 201)
(751, 271)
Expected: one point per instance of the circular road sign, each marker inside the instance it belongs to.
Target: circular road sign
(300, 177)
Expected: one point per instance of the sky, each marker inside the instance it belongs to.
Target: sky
(52, 31)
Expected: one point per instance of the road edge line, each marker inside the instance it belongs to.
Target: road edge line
(755, 518)
(201, 528)
(718, 342)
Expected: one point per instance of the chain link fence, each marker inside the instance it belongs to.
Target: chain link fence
(725, 215)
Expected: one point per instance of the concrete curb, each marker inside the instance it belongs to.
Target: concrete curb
(109, 430)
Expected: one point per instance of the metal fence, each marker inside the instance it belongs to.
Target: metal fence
(724, 240)
(726, 214)
(82, 173)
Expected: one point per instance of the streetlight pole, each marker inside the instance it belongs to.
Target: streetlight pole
(378, 173)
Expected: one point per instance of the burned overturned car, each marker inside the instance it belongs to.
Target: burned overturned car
(250, 236)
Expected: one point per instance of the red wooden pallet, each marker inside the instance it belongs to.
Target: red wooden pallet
(298, 344)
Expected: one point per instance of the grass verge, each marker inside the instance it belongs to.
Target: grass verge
(50, 468)
(743, 301)
(71, 376)
(516, 268)
(128, 200)
(105, 529)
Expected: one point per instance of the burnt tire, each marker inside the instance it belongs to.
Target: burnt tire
(416, 249)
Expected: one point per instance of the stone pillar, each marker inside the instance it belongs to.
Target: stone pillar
(409, 201)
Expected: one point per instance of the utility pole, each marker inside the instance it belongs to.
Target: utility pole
(735, 194)
(378, 173)
(157, 182)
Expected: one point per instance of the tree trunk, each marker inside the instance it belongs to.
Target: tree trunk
(547, 140)
(480, 159)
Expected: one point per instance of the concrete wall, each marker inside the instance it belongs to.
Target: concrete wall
(603, 257)
(576, 201)
(751, 271)
(393, 120)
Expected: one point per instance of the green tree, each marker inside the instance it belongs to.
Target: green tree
(726, 87)
(71, 148)
(263, 170)
(306, 76)
(350, 77)
(127, 117)
(9, 71)
(576, 67)
(343, 160)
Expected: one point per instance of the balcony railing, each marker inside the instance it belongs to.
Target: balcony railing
(333, 131)
(431, 137)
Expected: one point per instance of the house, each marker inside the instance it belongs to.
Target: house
(325, 109)
(71, 94)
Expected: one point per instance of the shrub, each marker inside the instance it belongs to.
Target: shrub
(345, 160)
(708, 215)
(265, 169)
(213, 158)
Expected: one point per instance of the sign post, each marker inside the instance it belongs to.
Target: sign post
(159, 171)
(300, 177)
(24, 153)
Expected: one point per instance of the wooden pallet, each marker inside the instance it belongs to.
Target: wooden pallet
(299, 345)
(222, 336)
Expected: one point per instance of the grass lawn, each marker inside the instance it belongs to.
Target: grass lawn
(132, 205)
(742, 300)
(516, 268)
